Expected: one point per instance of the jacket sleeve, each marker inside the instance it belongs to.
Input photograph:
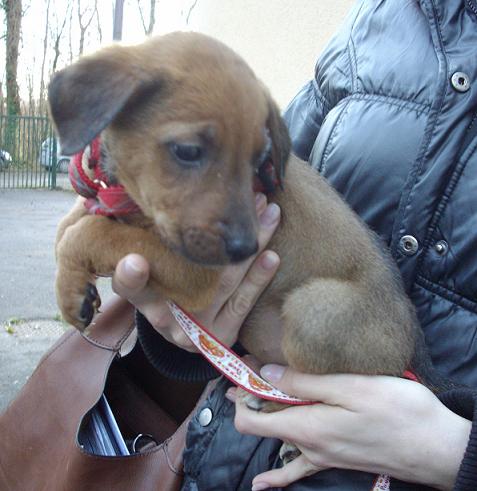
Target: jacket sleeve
(332, 82)
(303, 117)
(463, 403)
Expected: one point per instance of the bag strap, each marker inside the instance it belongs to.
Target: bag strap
(112, 326)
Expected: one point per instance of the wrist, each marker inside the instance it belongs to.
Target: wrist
(448, 437)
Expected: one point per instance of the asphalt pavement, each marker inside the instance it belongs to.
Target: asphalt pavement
(29, 317)
(28, 221)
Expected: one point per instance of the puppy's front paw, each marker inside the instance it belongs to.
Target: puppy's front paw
(253, 402)
(258, 404)
(90, 306)
(288, 452)
(77, 304)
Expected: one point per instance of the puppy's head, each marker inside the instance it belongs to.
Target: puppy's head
(185, 124)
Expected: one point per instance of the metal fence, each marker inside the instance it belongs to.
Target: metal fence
(28, 153)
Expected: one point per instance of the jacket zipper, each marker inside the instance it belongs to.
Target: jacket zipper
(472, 6)
(474, 119)
(470, 133)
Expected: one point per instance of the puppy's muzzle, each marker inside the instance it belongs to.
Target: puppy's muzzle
(240, 248)
(240, 239)
(228, 245)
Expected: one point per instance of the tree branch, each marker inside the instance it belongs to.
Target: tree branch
(192, 7)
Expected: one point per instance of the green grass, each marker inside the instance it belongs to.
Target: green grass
(11, 323)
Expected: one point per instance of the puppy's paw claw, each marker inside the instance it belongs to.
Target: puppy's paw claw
(92, 292)
(90, 306)
(253, 402)
(288, 452)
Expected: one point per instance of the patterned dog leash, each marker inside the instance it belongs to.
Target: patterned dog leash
(229, 363)
(231, 366)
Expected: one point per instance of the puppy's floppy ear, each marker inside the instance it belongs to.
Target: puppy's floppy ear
(281, 144)
(86, 96)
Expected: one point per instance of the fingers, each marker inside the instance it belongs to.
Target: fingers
(305, 386)
(290, 424)
(231, 317)
(260, 203)
(243, 284)
(129, 281)
(130, 276)
(269, 217)
(279, 424)
(279, 478)
(332, 389)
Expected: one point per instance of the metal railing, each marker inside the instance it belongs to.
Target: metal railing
(28, 153)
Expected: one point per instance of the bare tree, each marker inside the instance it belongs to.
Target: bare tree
(191, 8)
(57, 28)
(13, 11)
(70, 37)
(98, 23)
(85, 17)
(13, 14)
(31, 91)
(152, 16)
(57, 35)
(43, 61)
(118, 8)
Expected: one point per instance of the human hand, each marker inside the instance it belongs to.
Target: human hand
(240, 286)
(375, 424)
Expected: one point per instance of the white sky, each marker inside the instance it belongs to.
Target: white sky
(170, 16)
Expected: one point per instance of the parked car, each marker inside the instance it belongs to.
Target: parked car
(5, 159)
(46, 157)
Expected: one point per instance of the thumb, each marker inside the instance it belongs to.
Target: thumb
(130, 276)
(323, 388)
(291, 382)
(279, 478)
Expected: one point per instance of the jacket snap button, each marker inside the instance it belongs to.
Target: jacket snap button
(205, 416)
(460, 81)
(408, 245)
(441, 247)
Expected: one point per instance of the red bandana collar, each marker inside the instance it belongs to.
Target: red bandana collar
(266, 179)
(102, 198)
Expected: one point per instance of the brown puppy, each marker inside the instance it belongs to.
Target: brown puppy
(185, 125)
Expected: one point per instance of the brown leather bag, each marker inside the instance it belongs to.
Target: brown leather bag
(39, 449)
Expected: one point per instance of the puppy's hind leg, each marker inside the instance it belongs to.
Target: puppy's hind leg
(323, 332)
(339, 326)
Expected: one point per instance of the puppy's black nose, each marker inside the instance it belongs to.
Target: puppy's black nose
(240, 248)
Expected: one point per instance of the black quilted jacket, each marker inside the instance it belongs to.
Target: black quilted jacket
(390, 119)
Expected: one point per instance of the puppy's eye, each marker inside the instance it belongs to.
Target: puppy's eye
(265, 154)
(187, 154)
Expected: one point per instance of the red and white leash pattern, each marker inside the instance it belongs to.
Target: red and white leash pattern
(382, 483)
(230, 365)
(227, 362)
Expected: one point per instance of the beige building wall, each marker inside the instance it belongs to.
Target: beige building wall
(281, 39)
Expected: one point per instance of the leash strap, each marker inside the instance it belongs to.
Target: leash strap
(382, 483)
(231, 366)
(228, 363)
